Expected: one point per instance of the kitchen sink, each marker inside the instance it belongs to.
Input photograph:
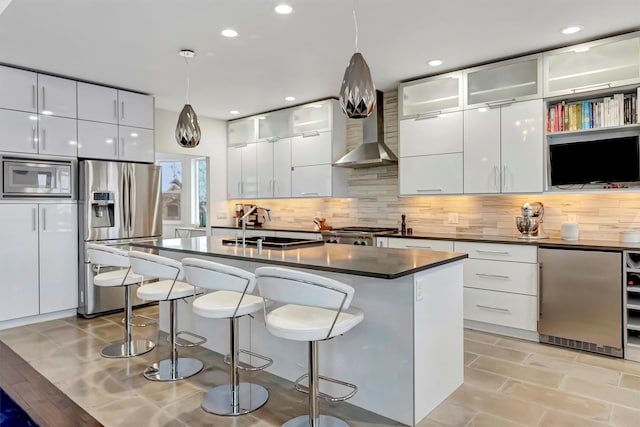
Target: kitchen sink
(274, 242)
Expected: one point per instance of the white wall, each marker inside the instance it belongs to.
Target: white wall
(213, 144)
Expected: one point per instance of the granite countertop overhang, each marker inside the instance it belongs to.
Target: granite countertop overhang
(370, 261)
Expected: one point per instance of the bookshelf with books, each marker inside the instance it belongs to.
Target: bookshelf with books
(617, 110)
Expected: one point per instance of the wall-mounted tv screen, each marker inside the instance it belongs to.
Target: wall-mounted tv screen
(590, 162)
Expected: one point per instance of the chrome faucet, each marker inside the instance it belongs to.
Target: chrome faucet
(243, 220)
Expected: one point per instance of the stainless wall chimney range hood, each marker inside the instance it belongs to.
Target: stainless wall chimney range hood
(373, 151)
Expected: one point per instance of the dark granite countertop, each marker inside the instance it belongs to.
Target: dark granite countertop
(368, 261)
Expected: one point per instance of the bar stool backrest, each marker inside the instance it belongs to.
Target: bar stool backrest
(107, 255)
(217, 277)
(155, 266)
(296, 287)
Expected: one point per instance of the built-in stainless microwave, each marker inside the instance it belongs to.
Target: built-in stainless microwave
(29, 177)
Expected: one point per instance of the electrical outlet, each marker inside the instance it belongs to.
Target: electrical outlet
(572, 218)
(452, 218)
(418, 291)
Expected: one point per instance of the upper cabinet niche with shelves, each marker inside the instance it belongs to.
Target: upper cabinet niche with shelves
(597, 65)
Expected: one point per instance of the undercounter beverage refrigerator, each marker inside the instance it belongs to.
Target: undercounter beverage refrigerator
(118, 203)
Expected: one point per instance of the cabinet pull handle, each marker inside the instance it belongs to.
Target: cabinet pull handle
(504, 177)
(496, 177)
(424, 116)
(487, 307)
(34, 218)
(122, 146)
(34, 138)
(122, 110)
(428, 190)
(311, 193)
(33, 96)
(44, 102)
(310, 133)
(273, 139)
(417, 247)
(115, 110)
(591, 87)
(44, 219)
(494, 104)
(492, 276)
(480, 251)
(43, 139)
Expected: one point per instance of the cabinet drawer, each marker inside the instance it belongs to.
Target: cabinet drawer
(500, 308)
(438, 134)
(432, 245)
(498, 251)
(520, 278)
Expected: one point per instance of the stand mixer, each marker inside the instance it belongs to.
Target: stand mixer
(530, 223)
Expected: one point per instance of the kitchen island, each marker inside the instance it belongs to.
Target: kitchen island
(405, 357)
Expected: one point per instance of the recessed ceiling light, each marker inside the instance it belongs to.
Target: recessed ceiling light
(229, 33)
(289, 98)
(435, 62)
(571, 30)
(283, 9)
(234, 112)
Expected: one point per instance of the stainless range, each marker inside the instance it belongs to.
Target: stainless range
(360, 236)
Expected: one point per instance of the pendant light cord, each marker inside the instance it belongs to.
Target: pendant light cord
(355, 22)
(186, 61)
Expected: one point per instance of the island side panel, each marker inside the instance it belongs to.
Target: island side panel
(439, 338)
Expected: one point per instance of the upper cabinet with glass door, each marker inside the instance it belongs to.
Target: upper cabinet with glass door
(312, 118)
(242, 131)
(430, 96)
(597, 65)
(275, 125)
(504, 82)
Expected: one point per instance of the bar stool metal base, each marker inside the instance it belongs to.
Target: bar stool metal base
(184, 368)
(250, 397)
(121, 349)
(325, 421)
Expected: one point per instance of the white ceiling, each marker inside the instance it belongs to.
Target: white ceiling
(134, 44)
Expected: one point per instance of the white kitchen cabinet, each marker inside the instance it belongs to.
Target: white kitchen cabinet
(242, 131)
(314, 117)
(135, 110)
(430, 96)
(136, 144)
(97, 103)
(97, 140)
(430, 175)
(57, 136)
(436, 134)
(313, 148)
(501, 288)
(596, 65)
(311, 181)
(422, 244)
(19, 131)
(19, 260)
(242, 177)
(18, 89)
(517, 79)
(58, 255)
(276, 124)
(273, 168)
(503, 148)
(57, 96)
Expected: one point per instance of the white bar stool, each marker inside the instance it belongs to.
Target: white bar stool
(231, 300)
(103, 255)
(306, 307)
(168, 288)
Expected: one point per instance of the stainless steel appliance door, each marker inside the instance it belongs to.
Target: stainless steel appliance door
(101, 176)
(145, 203)
(581, 296)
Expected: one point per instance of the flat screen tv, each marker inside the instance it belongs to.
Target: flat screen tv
(591, 162)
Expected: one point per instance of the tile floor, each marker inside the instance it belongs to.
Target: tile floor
(508, 382)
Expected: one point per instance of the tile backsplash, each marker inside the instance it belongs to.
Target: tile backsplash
(374, 201)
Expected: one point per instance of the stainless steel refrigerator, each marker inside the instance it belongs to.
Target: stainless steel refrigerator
(118, 203)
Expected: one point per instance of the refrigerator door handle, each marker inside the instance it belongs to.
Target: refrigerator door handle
(540, 291)
(132, 199)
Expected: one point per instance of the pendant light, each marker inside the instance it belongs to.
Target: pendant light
(357, 93)
(188, 129)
